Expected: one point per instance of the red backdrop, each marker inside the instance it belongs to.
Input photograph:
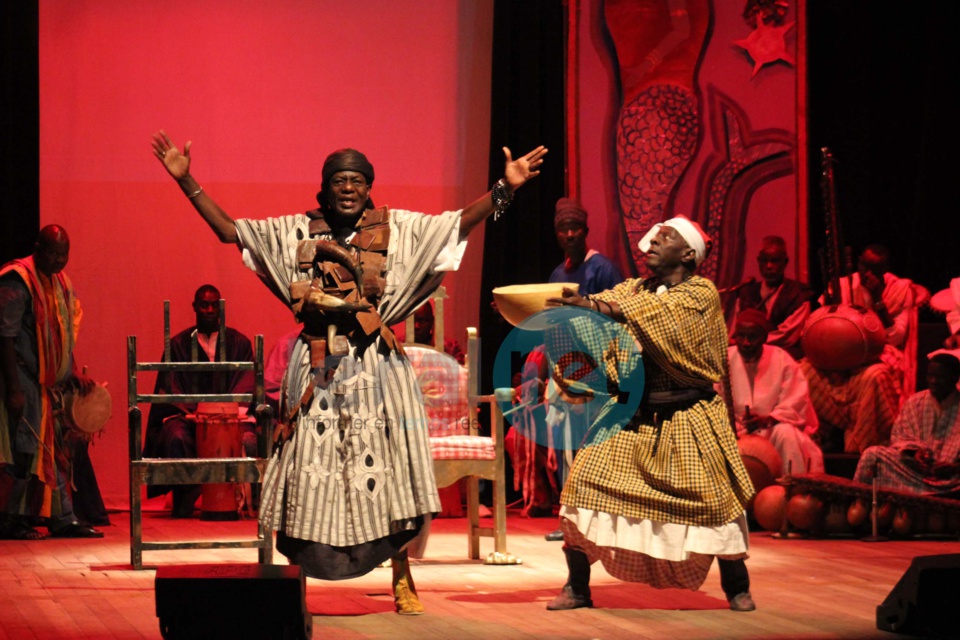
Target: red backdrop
(265, 91)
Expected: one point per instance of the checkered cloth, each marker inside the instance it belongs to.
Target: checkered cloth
(685, 469)
(634, 566)
(862, 402)
(462, 448)
(923, 424)
(443, 383)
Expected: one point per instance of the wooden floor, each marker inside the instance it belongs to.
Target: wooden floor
(803, 589)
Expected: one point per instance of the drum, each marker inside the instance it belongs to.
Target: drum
(843, 337)
(761, 460)
(87, 413)
(219, 436)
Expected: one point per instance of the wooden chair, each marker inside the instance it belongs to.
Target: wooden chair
(167, 471)
(458, 449)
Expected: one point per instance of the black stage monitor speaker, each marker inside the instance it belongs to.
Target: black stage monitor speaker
(232, 601)
(924, 601)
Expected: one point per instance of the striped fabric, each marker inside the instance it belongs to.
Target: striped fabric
(56, 314)
(358, 466)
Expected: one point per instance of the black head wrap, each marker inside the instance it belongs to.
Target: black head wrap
(344, 160)
(949, 361)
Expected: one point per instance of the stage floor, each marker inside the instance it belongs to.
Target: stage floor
(803, 589)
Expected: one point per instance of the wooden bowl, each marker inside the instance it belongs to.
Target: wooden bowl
(517, 302)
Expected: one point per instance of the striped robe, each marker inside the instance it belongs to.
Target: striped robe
(356, 479)
(655, 502)
(45, 334)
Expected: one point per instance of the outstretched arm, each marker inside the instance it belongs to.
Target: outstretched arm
(571, 298)
(178, 166)
(515, 174)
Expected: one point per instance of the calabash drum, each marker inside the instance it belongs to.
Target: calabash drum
(770, 507)
(842, 337)
(218, 436)
(87, 413)
(761, 460)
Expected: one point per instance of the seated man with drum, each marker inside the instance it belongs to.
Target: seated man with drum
(172, 428)
(39, 320)
(769, 395)
(862, 399)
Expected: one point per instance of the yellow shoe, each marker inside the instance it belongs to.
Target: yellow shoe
(404, 590)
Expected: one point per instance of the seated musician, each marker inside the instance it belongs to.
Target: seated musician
(924, 452)
(784, 302)
(171, 431)
(862, 403)
(770, 395)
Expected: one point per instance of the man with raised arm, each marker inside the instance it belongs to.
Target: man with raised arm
(350, 482)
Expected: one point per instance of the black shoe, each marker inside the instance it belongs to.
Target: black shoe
(569, 600)
(742, 602)
(554, 536)
(76, 530)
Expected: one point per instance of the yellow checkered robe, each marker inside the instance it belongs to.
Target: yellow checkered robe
(684, 470)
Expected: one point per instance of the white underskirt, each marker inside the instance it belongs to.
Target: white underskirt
(660, 540)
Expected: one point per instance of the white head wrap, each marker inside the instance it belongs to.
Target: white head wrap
(688, 230)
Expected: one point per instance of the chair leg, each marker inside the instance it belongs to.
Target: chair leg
(500, 554)
(136, 520)
(499, 516)
(473, 517)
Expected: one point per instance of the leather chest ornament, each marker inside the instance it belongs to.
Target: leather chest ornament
(345, 284)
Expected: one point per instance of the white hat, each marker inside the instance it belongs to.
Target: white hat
(947, 300)
(688, 230)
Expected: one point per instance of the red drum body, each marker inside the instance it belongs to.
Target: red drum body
(761, 460)
(218, 436)
(843, 337)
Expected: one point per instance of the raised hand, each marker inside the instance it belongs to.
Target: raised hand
(753, 422)
(518, 171)
(177, 164)
(82, 383)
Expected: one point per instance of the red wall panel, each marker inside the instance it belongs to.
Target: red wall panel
(265, 91)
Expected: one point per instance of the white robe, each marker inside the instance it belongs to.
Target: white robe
(774, 386)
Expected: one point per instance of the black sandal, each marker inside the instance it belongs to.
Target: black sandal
(76, 530)
(16, 529)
